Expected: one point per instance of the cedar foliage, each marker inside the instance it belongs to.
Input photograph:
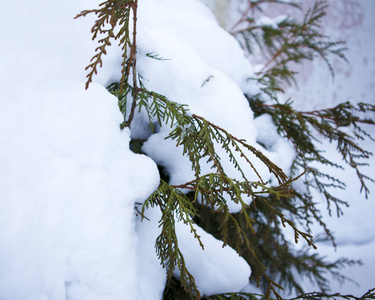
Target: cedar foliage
(256, 231)
(313, 296)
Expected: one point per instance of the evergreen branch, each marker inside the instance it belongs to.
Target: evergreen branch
(157, 106)
(197, 135)
(238, 231)
(307, 213)
(122, 96)
(268, 244)
(297, 126)
(290, 42)
(175, 206)
(238, 237)
(111, 13)
(256, 5)
(308, 296)
(199, 138)
(297, 233)
(279, 174)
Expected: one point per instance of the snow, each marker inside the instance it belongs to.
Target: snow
(68, 186)
(68, 181)
(151, 276)
(270, 22)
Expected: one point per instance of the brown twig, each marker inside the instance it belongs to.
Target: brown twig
(132, 64)
(242, 18)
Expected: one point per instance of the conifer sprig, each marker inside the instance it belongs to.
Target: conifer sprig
(255, 5)
(198, 138)
(111, 13)
(175, 206)
(300, 128)
(273, 246)
(312, 296)
(157, 106)
(289, 43)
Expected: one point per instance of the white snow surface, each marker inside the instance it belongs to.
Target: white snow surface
(68, 181)
(68, 186)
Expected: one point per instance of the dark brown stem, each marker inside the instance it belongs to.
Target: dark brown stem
(272, 59)
(242, 19)
(133, 61)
